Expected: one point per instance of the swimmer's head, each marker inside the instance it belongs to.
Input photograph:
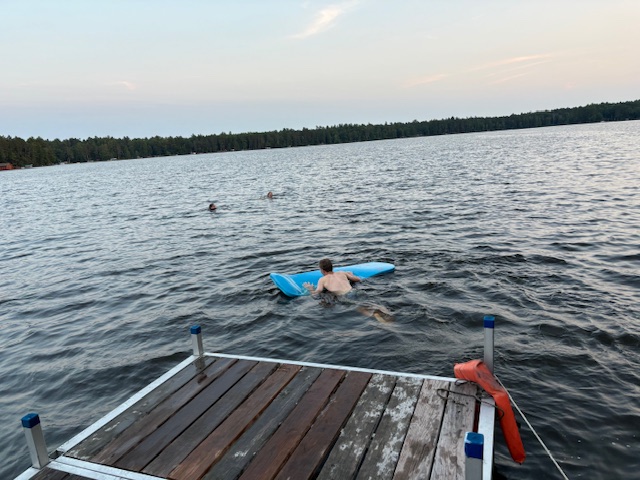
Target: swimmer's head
(326, 265)
(212, 206)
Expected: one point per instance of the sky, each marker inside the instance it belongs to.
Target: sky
(140, 68)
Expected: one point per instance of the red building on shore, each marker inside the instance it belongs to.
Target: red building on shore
(6, 166)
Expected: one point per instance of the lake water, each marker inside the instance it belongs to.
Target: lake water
(105, 266)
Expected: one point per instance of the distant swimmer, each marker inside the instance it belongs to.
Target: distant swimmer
(270, 195)
(212, 207)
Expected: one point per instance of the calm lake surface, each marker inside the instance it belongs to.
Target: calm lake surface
(105, 266)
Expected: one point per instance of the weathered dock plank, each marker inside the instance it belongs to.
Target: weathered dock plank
(136, 458)
(208, 450)
(122, 443)
(449, 459)
(381, 458)
(416, 457)
(171, 453)
(50, 474)
(346, 456)
(274, 453)
(242, 452)
(97, 441)
(308, 456)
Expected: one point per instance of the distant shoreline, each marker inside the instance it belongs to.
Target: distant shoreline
(39, 152)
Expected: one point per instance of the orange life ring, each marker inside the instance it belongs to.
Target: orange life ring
(476, 371)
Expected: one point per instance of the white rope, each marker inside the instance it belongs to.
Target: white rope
(533, 430)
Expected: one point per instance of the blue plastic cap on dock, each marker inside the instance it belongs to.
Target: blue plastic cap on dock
(30, 420)
(489, 321)
(195, 330)
(473, 445)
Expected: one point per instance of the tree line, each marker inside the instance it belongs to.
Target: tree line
(40, 152)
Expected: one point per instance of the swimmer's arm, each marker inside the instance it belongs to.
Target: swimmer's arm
(353, 277)
(312, 291)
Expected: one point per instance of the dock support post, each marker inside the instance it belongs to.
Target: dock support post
(473, 446)
(196, 340)
(35, 440)
(489, 321)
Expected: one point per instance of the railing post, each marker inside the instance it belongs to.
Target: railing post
(489, 321)
(473, 446)
(35, 440)
(196, 340)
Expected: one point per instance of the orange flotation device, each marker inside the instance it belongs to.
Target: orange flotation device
(476, 371)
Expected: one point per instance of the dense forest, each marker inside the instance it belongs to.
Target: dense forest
(40, 152)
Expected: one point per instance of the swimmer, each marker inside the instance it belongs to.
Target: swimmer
(270, 195)
(212, 207)
(338, 283)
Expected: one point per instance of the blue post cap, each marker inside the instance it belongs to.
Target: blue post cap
(30, 420)
(489, 321)
(473, 445)
(195, 330)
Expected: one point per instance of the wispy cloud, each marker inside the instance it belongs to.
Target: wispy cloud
(508, 69)
(497, 72)
(512, 61)
(123, 83)
(507, 79)
(325, 19)
(414, 82)
(516, 68)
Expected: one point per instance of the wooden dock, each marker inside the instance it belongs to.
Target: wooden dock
(229, 417)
